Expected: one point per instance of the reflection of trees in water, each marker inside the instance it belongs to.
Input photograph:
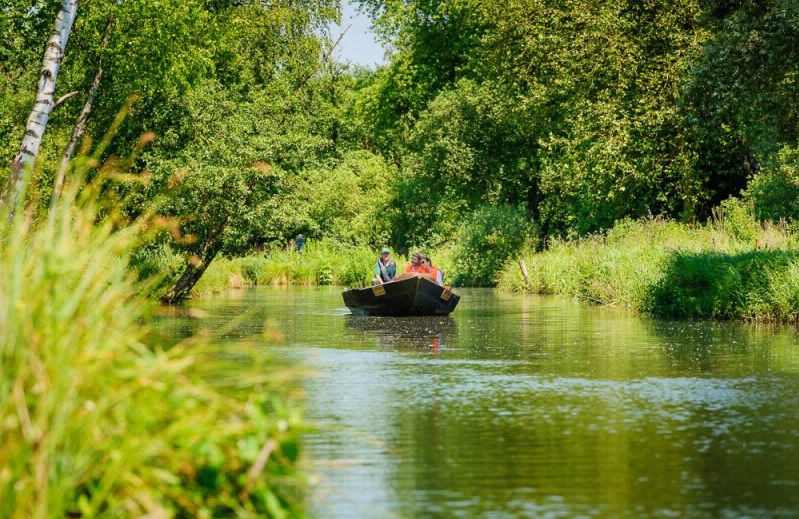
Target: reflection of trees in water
(419, 333)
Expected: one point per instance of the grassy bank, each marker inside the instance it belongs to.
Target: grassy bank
(723, 270)
(732, 268)
(321, 263)
(97, 419)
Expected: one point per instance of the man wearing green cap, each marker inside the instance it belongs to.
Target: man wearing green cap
(385, 268)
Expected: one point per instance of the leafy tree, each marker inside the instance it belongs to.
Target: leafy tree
(774, 191)
(740, 93)
(227, 88)
(24, 29)
(228, 175)
(347, 203)
(471, 147)
(431, 42)
(598, 82)
(568, 108)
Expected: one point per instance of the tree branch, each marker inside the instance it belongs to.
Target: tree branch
(64, 98)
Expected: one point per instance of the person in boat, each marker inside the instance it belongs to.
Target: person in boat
(385, 268)
(431, 270)
(416, 263)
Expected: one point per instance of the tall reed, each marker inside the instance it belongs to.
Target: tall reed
(671, 269)
(96, 420)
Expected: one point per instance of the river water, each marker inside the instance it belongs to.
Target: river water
(529, 406)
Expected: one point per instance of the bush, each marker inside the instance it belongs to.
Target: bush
(774, 192)
(250, 266)
(727, 286)
(489, 236)
(158, 265)
(347, 202)
(736, 217)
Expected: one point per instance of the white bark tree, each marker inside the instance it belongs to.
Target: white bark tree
(43, 105)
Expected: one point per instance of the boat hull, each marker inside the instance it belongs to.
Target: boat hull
(412, 295)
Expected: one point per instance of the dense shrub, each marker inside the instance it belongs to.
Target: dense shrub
(728, 286)
(489, 236)
(157, 264)
(774, 192)
(735, 217)
(346, 203)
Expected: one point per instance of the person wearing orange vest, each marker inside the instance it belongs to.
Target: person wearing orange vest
(431, 270)
(415, 265)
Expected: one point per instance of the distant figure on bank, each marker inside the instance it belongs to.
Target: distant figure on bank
(385, 268)
(300, 242)
(416, 263)
(431, 270)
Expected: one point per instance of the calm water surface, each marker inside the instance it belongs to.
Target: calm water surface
(528, 406)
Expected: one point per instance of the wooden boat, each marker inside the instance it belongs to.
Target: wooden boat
(408, 294)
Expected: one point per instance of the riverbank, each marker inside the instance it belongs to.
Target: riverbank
(321, 263)
(733, 268)
(670, 269)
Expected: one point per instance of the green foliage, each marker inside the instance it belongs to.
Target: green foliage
(738, 92)
(598, 82)
(250, 267)
(736, 218)
(774, 191)
(567, 110)
(99, 418)
(466, 150)
(156, 266)
(346, 203)
(431, 42)
(229, 94)
(489, 236)
(740, 286)
(670, 269)
(25, 27)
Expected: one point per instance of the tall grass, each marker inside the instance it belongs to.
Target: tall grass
(614, 268)
(322, 262)
(97, 420)
(668, 268)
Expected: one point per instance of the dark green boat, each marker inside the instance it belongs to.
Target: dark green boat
(408, 294)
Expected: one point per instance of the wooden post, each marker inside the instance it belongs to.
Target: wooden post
(526, 276)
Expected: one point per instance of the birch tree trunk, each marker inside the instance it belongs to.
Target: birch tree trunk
(37, 122)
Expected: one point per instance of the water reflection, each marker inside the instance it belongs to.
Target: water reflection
(522, 406)
(406, 333)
